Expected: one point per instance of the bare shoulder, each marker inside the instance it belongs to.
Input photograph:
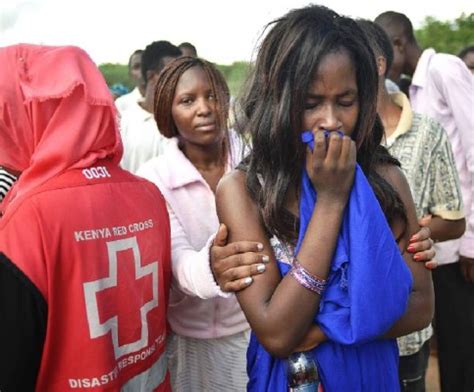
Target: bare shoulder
(232, 181)
(232, 190)
(237, 209)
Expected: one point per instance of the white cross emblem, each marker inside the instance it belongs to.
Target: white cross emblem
(91, 289)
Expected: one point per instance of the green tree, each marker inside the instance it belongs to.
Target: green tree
(447, 36)
(235, 75)
(444, 36)
(116, 73)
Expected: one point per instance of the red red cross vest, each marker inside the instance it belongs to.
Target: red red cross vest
(96, 243)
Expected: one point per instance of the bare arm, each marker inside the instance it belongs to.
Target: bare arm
(271, 301)
(234, 264)
(234, 271)
(420, 308)
(444, 229)
(313, 338)
(420, 245)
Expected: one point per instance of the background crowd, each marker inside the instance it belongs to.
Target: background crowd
(399, 123)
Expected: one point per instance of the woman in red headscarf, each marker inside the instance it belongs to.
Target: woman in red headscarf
(85, 245)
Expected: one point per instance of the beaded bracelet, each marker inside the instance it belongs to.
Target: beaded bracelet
(309, 281)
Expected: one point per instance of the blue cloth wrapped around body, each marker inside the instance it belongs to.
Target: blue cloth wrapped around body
(368, 289)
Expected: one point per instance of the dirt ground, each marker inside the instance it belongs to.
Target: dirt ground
(432, 375)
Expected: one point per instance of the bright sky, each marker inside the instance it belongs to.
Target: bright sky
(223, 31)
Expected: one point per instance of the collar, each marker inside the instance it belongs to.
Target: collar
(180, 170)
(406, 117)
(421, 71)
(138, 112)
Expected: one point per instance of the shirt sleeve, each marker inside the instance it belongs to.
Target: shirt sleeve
(191, 268)
(458, 87)
(23, 313)
(6, 182)
(446, 197)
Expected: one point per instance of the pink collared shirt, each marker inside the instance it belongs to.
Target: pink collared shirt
(197, 307)
(443, 88)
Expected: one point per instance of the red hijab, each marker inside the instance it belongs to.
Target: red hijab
(56, 113)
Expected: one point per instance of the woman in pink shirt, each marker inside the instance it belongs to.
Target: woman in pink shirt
(207, 352)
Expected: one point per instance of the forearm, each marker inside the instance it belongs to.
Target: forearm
(444, 230)
(191, 267)
(291, 301)
(314, 337)
(417, 316)
(192, 272)
(321, 239)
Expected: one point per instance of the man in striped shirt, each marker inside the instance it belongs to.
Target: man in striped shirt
(423, 149)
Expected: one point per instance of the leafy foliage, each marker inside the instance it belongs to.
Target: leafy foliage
(444, 36)
(116, 74)
(235, 75)
(447, 36)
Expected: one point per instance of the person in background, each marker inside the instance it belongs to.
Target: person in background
(404, 82)
(7, 180)
(188, 49)
(207, 351)
(118, 90)
(135, 74)
(467, 55)
(140, 137)
(329, 288)
(85, 258)
(423, 149)
(391, 86)
(442, 88)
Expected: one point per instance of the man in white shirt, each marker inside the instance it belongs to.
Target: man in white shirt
(140, 136)
(135, 73)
